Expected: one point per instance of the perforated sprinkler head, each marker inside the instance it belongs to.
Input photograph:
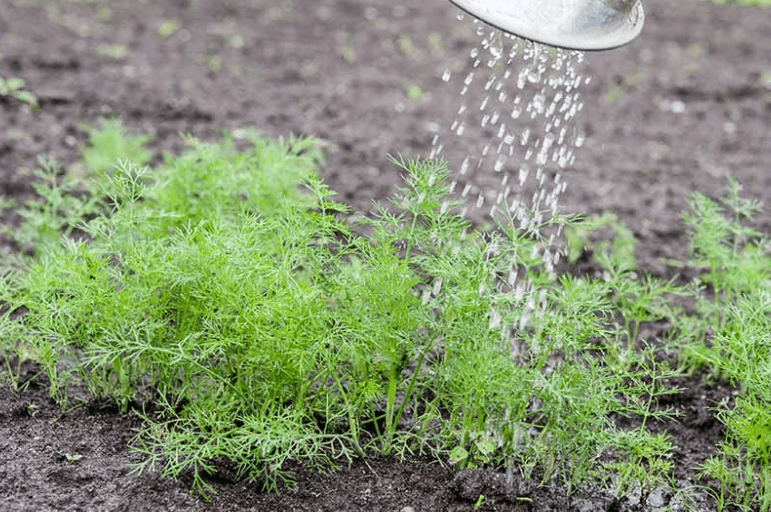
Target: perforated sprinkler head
(572, 24)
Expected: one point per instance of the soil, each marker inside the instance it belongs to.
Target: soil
(676, 111)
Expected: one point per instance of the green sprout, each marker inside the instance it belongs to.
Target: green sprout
(15, 87)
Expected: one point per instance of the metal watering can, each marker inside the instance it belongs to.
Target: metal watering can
(572, 24)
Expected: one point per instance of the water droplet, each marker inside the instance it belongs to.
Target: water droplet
(551, 109)
(499, 163)
(496, 46)
(522, 79)
(523, 172)
(538, 102)
(465, 165)
(543, 153)
(512, 279)
(534, 75)
(561, 138)
(437, 287)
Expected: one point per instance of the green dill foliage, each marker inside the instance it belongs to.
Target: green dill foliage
(215, 180)
(733, 259)
(734, 308)
(732, 252)
(59, 207)
(109, 144)
(611, 243)
(229, 291)
(221, 311)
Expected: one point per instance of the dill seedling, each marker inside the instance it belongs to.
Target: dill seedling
(16, 88)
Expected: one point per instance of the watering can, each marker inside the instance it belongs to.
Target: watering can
(572, 24)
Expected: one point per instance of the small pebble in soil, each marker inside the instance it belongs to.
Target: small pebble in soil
(634, 497)
(658, 498)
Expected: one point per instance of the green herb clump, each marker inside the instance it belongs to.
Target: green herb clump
(109, 143)
(247, 316)
(729, 337)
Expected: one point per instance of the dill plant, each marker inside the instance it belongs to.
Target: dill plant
(110, 142)
(260, 323)
(729, 337)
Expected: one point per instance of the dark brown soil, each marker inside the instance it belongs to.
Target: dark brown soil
(678, 110)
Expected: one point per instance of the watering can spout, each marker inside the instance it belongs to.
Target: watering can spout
(572, 24)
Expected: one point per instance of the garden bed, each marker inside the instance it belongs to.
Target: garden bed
(676, 112)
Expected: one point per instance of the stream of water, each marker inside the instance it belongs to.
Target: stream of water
(524, 98)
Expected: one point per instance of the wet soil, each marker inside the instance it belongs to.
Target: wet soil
(677, 111)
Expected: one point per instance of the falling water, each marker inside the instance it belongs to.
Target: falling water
(524, 98)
